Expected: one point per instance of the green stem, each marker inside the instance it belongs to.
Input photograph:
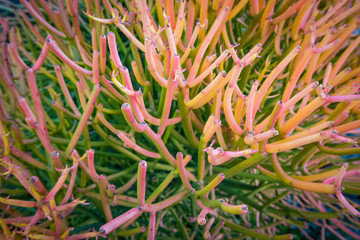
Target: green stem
(161, 187)
(180, 225)
(337, 151)
(186, 121)
(251, 161)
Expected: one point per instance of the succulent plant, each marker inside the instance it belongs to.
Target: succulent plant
(235, 119)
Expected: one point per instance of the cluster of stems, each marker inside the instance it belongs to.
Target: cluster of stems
(235, 114)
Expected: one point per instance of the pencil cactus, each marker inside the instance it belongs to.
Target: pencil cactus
(231, 117)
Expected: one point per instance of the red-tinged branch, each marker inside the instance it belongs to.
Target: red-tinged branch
(306, 186)
(40, 19)
(182, 173)
(339, 195)
(117, 222)
(141, 183)
(55, 48)
(83, 120)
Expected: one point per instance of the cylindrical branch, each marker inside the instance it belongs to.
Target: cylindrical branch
(209, 122)
(94, 40)
(350, 11)
(149, 55)
(114, 55)
(81, 95)
(283, 146)
(344, 139)
(289, 12)
(205, 138)
(8, 82)
(344, 98)
(201, 220)
(292, 101)
(152, 226)
(149, 118)
(338, 151)
(348, 126)
(233, 209)
(141, 183)
(251, 138)
(102, 54)
(38, 185)
(190, 45)
(65, 90)
(42, 21)
(219, 156)
(210, 131)
(83, 53)
(18, 203)
(15, 55)
(235, 127)
(103, 196)
(19, 173)
(210, 91)
(60, 182)
(130, 36)
(210, 69)
(175, 73)
(338, 189)
(214, 28)
(326, 47)
(206, 63)
(95, 67)
(248, 58)
(211, 185)
(250, 106)
(26, 109)
(55, 216)
(295, 120)
(73, 173)
(179, 27)
(91, 164)
(342, 117)
(55, 158)
(344, 56)
(41, 129)
(330, 12)
(182, 172)
(301, 19)
(127, 91)
(58, 52)
(133, 145)
(34, 125)
(273, 75)
(306, 186)
(4, 141)
(120, 220)
(343, 33)
(307, 132)
(166, 203)
(138, 76)
(31, 27)
(130, 119)
(83, 120)
(64, 25)
(70, 205)
(59, 107)
(171, 40)
(265, 19)
(39, 214)
(207, 234)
